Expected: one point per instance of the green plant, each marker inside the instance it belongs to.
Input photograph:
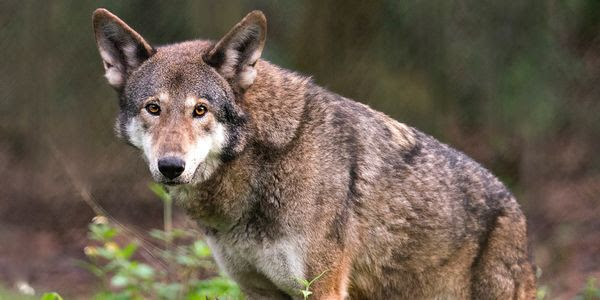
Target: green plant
(306, 285)
(590, 291)
(542, 292)
(173, 271)
(51, 296)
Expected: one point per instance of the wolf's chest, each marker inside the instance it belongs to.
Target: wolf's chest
(281, 262)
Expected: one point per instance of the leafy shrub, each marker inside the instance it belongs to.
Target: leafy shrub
(171, 272)
(590, 291)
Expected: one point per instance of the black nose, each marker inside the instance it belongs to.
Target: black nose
(171, 166)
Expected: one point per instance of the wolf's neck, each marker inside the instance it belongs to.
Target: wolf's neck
(276, 102)
(229, 197)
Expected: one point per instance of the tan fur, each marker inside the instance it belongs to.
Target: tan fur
(306, 181)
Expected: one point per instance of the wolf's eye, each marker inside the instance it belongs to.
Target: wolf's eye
(199, 110)
(153, 109)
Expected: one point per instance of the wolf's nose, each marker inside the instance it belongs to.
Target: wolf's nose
(171, 166)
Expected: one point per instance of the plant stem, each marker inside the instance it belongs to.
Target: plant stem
(168, 227)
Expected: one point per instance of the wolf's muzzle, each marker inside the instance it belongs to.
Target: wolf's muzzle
(171, 166)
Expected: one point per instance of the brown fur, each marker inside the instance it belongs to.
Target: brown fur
(310, 181)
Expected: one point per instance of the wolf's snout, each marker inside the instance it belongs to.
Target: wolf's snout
(171, 166)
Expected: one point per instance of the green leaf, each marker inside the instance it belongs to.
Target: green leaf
(113, 296)
(201, 249)
(128, 251)
(542, 292)
(119, 280)
(218, 287)
(178, 233)
(185, 260)
(303, 282)
(306, 293)
(102, 232)
(51, 296)
(158, 234)
(198, 296)
(167, 290)
(90, 267)
(143, 271)
(105, 253)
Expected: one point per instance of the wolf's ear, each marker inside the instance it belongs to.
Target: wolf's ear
(121, 48)
(235, 55)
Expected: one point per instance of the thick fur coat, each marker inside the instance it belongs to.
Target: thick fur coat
(289, 180)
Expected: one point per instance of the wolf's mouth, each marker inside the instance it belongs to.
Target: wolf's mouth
(172, 182)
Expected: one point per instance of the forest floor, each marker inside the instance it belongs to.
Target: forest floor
(47, 258)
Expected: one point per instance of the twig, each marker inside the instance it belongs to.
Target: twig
(98, 210)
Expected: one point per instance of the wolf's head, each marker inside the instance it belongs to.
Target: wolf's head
(179, 103)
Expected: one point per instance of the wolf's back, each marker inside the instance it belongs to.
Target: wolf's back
(423, 211)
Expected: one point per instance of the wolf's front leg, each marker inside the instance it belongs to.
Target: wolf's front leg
(333, 283)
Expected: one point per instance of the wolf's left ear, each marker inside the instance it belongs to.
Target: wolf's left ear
(122, 49)
(235, 55)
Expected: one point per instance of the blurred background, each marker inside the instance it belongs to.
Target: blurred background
(514, 84)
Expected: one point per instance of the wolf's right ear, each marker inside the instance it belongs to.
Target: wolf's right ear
(121, 48)
(235, 55)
